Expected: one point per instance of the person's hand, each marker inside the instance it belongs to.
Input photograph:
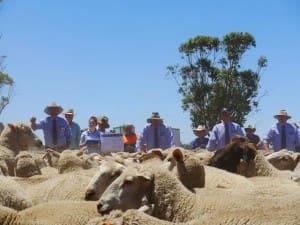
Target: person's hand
(33, 120)
(267, 152)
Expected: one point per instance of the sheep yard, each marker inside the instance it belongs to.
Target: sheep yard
(173, 186)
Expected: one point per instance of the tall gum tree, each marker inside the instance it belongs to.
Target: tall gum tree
(212, 77)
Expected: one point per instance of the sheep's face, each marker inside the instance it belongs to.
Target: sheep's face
(187, 167)
(126, 192)
(108, 172)
(282, 160)
(20, 136)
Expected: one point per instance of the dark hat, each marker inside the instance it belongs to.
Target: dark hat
(282, 112)
(103, 120)
(53, 105)
(250, 128)
(154, 116)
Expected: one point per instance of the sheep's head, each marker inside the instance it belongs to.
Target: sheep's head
(229, 157)
(187, 167)
(108, 172)
(19, 137)
(128, 191)
(284, 159)
(26, 165)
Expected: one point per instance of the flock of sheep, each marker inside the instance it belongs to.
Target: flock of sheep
(238, 185)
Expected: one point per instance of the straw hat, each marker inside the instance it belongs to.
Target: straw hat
(69, 112)
(282, 112)
(154, 116)
(103, 120)
(250, 128)
(200, 128)
(53, 105)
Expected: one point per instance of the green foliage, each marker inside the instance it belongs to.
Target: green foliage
(5, 81)
(211, 77)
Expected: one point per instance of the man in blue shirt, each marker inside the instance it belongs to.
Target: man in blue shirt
(57, 133)
(282, 135)
(155, 135)
(75, 129)
(223, 132)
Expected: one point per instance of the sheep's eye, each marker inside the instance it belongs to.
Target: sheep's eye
(127, 182)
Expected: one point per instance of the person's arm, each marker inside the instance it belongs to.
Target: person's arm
(170, 136)
(140, 144)
(212, 141)
(33, 123)
(267, 141)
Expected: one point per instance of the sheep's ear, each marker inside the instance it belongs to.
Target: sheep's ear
(146, 175)
(177, 154)
(158, 152)
(11, 126)
(297, 158)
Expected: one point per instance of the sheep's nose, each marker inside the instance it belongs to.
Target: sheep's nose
(103, 208)
(99, 206)
(89, 195)
(39, 143)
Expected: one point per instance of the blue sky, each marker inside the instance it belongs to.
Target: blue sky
(110, 57)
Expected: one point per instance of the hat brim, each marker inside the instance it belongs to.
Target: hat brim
(60, 109)
(253, 129)
(150, 119)
(106, 125)
(73, 114)
(276, 116)
(198, 130)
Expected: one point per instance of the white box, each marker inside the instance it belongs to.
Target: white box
(112, 143)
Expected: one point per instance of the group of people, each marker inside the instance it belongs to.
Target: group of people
(60, 133)
(63, 133)
(282, 135)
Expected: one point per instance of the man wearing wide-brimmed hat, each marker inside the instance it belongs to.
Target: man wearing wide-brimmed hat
(252, 137)
(155, 135)
(75, 129)
(57, 133)
(223, 132)
(201, 141)
(282, 135)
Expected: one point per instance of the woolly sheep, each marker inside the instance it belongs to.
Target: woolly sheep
(26, 165)
(13, 139)
(173, 202)
(51, 213)
(19, 137)
(13, 195)
(228, 158)
(69, 186)
(284, 159)
(109, 170)
(187, 168)
(69, 160)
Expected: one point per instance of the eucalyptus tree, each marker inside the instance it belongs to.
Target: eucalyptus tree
(212, 76)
